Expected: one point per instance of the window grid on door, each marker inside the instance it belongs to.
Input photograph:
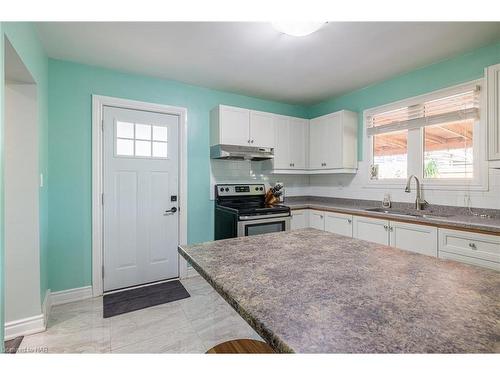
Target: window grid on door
(141, 140)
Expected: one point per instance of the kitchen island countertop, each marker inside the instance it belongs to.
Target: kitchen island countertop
(312, 291)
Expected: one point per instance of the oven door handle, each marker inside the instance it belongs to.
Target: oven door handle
(262, 217)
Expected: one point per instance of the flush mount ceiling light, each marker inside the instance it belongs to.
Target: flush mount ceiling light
(297, 28)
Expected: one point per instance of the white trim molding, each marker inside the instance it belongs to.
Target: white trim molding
(46, 306)
(70, 295)
(415, 161)
(23, 327)
(98, 104)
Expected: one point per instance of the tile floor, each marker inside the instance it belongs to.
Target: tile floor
(191, 325)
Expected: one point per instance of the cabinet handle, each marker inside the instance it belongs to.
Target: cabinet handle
(251, 141)
(386, 227)
(391, 229)
(472, 245)
(349, 221)
(248, 141)
(290, 164)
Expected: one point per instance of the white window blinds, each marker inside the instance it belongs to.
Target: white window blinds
(459, 106)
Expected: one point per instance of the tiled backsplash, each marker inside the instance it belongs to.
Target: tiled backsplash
(344, 186)
(232, 171)
(348, 186)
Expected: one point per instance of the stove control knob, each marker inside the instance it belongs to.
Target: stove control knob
(221, 189)
(261, 188)
(256, 188)
(227, 189)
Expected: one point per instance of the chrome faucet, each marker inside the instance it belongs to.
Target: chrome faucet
(419, 202)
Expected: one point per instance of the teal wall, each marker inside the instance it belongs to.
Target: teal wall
(24, 39)
(442, 74)
(70, 88)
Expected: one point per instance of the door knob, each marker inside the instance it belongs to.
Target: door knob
(173, 210)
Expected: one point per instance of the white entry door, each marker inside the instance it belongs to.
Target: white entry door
(140, 197)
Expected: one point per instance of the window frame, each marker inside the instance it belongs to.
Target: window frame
(415, 145)
(134, 140)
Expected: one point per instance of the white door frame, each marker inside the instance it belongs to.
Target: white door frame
(98, 104)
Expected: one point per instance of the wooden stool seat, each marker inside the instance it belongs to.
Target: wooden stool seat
(241, 346)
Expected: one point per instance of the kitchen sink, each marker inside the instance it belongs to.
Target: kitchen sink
(423, 214)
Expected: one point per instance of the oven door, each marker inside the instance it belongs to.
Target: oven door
(261, 226)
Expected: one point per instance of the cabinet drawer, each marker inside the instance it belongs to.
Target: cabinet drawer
(472, 245)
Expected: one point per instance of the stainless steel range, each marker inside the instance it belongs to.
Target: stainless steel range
(240, 210)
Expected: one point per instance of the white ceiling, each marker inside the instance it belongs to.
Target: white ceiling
(254, 59)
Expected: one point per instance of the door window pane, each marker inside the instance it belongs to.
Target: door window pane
(124, 147)
(160, 149)
(124, 130)
(160, 133)
(143, 132)
(390, 155)
(448, 151)
(143, 148)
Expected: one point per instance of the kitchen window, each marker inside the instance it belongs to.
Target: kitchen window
(436, 136)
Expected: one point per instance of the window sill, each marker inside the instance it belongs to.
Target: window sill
(428, 185)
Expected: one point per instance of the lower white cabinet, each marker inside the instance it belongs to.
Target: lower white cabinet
(317, 219)
(413, 237)
(468, 247)
(300, 219)
(371, 229)
(473, 248)
(338, 223)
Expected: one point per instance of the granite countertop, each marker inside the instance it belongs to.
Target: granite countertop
(455, 217)
(312, 291)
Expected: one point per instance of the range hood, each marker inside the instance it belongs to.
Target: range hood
(231, 152)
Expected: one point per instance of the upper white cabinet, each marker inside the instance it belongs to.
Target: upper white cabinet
(291, 136)
(229, 126)
(262, 129)
(493, 94)
(241, 127)
(333, 142)
(327, 144)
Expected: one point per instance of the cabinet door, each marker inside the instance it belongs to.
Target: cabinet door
(299, 219)
(298, 141)
(282, 139)
(493, 94)
(332, 141)
(316, 143)
(338, 223)
(317, 219)
(261, 129)
(371, 229)
(234, 126)
(413, 237)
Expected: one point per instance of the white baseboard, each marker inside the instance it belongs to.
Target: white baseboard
(46, 306)
(70, 295)
(23, 327)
